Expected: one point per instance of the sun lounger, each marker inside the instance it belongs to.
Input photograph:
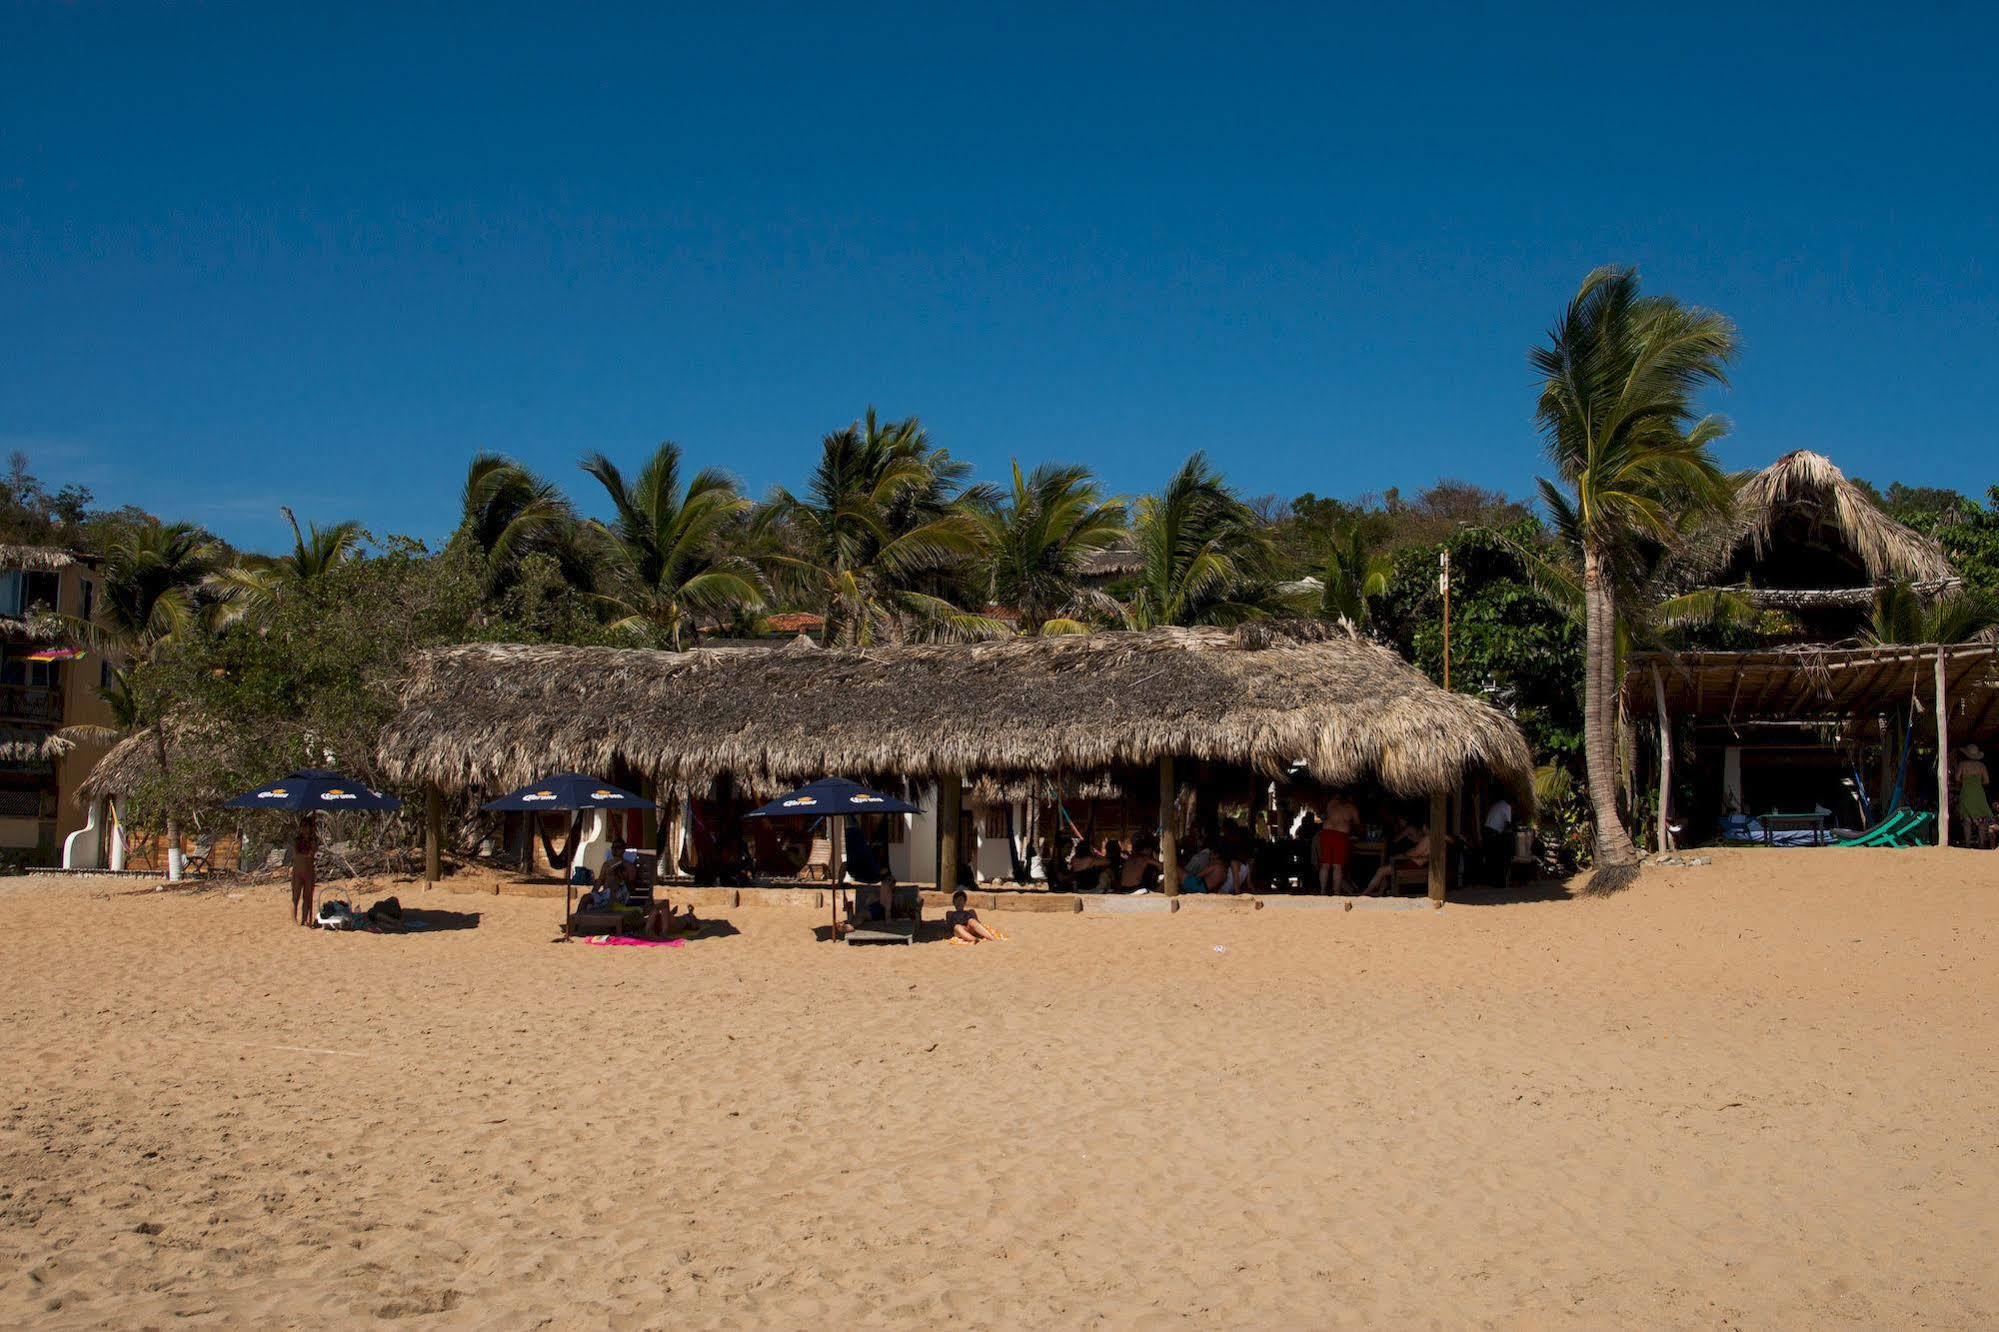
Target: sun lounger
(883, 932)
(1885, 832)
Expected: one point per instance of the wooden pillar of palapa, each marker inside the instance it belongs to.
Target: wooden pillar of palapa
(433, 836)
(1439, 843)
(1943, 749)
(950, 803)
(1665, 763)
(1169, 835)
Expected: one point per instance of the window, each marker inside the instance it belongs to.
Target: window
(10, 592)
(104, 673)
(89, 599)
(41, 588)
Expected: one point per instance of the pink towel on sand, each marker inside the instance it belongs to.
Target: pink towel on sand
(629, 941)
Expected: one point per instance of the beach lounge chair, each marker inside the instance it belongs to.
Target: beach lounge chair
(897, 929)
(198, 856)
(1886, 832)
(818, 866)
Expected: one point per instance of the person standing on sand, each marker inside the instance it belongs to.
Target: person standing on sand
(1336, 836)
(305, 847)
(1974, 806)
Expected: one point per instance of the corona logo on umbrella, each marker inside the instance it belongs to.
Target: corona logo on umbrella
(802, 800)
(608, 795)
(540, 795)
(275, 793)
(337, 794)
(308, 789)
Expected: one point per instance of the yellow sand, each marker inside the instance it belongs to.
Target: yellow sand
(1759, 1093)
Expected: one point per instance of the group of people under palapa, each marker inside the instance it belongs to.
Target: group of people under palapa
(1297, 848)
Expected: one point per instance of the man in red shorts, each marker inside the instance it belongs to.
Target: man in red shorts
(1336, 836)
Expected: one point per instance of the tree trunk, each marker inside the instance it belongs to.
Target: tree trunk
(1616, 857)
(176, 862)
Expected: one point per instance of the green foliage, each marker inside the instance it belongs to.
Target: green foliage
(1208, 557)
(1509, 644)
(1035, 538)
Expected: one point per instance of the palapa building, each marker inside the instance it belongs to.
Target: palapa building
(1803, 724)
(1153, 718)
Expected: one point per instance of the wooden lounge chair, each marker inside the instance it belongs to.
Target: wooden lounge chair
(818, 866)
(860, 930)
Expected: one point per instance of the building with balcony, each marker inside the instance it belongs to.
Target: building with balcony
(49, 681)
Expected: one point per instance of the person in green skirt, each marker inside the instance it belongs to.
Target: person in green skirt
(1974, 806)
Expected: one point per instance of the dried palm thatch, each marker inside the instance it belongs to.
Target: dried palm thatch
(1260, 696)
(26, 744)
(35, 559)
(1808, 486)
(133, 761)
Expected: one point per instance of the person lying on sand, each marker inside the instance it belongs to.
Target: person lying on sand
(966, 927)
(663, 921)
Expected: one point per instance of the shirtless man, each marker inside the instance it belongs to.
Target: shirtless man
(1336, 834)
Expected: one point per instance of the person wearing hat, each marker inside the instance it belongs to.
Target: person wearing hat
(1974, 807)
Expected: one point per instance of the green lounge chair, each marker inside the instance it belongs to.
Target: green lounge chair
(1921, 832)
(1883, 833)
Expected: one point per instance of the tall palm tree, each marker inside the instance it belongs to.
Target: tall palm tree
(667, 565)
(884, 530)
(1036, 537)
(1206, 557)
(251, 593)
(1349, 574)
(151, 595)
(509, 513)
(1632, 460)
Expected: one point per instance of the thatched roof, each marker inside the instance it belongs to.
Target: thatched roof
(29, 744)
(38, 559)
(1350, 710)
(1803, 498)
(136, 758)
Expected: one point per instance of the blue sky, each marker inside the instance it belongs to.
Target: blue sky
(256, 254)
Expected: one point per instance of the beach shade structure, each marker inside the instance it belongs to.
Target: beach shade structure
(312, 790)
(569, 792)
(832, 798)
(309, 791)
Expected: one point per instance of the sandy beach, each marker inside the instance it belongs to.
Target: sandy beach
(1761, 1092)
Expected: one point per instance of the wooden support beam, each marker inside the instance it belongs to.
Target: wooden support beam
(950, 801)
(1665, 763)
(1169, 835)
(433, 835)
(1943, 749)
(1439, 845)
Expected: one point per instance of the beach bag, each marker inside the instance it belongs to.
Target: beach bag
(335, 915)
(388, 911)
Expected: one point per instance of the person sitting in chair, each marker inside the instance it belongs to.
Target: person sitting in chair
(1141, 870)
(614, 880)
(1409, 849)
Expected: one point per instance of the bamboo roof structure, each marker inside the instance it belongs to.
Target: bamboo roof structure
(1264, 696)
(1816, 684)
(35, 559)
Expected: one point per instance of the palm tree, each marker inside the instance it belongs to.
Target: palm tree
(151, 595)
(883, 532)
(1349, 574)
(1036, 538)
(1617, 417)
(1904, 616)
(251, 593)
(667, 565)
(508, 514)
(1206, 557)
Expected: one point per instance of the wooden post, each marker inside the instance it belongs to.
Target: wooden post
(433, 836)
(1665, 763)
(1169, 836)
(950, 803)
(1943, 749)
(1885, 783)
(1439, 844)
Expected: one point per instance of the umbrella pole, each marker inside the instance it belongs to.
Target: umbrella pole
(839, 834)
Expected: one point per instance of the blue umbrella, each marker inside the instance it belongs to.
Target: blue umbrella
(313, 789)
(830, 797)
(569, 790)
